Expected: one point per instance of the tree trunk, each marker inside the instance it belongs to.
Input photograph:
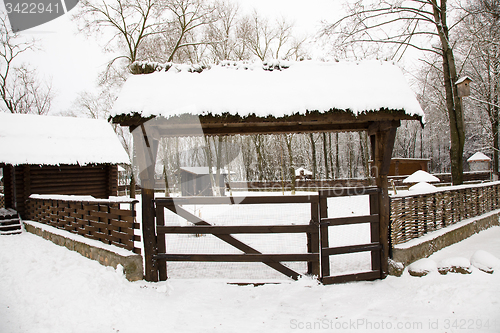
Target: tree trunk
(290, 160)
(337, 159)
(313, 152)
(325, 155)
(453, 102)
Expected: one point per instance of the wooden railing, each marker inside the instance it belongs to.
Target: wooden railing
(102, 220)
(413, 216)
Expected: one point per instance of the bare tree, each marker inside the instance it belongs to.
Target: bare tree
(419, 24)
(273, 40)
(482, 49)
(20, 88)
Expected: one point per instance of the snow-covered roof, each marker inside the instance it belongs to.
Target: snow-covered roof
(462, 79)
(423, 187)
(306, 172)
(421, 176)
(48, 140)
(281, 90)
(478, 157)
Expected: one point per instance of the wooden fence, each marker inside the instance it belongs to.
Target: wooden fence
(318, 247)
(374, 247)
(413, 216)
(224, 233)
(102, 220)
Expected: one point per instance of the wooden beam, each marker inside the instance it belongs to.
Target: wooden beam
(239, 229)
(247, 257)
(382, 141)
(146, 148)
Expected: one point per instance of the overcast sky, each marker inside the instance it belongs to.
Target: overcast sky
(72, 61)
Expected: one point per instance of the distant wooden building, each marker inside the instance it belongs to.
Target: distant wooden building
(479, 162)
(407, 166)
(57, 155)
(195, 181)
(303, 174)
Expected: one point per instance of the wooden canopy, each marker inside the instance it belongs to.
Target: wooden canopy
(148, 128)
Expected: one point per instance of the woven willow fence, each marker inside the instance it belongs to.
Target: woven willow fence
(415, 215)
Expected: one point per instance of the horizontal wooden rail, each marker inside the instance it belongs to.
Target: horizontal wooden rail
(251, 200)
(242, 229)
(351, 249)
(270, 258)
(350, 220)
(365, 276)
(348, 191)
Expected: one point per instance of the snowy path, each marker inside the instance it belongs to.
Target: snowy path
(46, 288)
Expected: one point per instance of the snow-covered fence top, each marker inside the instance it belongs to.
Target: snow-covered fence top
(268, 90)
(47, 140)
(413, 216)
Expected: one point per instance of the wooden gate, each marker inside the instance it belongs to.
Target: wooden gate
(225, 233)
(318, 249)
(375, 246)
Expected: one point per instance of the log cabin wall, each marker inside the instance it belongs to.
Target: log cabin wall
(99, 181)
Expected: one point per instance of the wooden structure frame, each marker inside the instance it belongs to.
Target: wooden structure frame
(381, 127)
(20, 181)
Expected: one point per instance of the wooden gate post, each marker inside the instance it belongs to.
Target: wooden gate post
(146, 148)
(382, 137)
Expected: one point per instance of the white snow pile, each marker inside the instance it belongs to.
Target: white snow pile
(33, 139)
(269, 90)
(421, 176)
(82, 198)
(455, 265)
(478, 157)
(422, 267)
(481, 260)
(485, 261)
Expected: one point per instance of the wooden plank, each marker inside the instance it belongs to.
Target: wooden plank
(241, 229)
(351, 249)
(324, 242)
(236, 243)
(350, 220)
(269, 258)
(365, 276)
(348, 191)
(313, 241)
(375, 232)
(250, 200)
(161, 242)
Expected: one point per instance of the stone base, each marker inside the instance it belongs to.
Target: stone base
(132, 264)
(407, 253)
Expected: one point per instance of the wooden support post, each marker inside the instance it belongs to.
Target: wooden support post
(313, 268)
(375, 231)
(382, 137)
(162, 247)
(324, 242)
(146, 148)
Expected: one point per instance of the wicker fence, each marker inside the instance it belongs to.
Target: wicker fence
(2, 200)
(102, 220)
(415, 215)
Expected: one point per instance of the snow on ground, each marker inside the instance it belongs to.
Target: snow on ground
(47, 288)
